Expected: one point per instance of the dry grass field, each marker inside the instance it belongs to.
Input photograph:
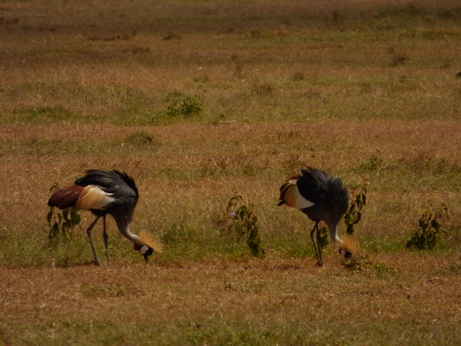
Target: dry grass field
(201, 101)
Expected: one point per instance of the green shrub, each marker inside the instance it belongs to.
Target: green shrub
(181, 105)
(242, 221)
(425, 237)
(323, 237)
(354, 214)
(61, 223)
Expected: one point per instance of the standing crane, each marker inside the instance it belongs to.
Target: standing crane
(321, 198)
(106, 192)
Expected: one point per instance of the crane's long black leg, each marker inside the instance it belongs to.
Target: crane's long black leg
(312, 237)
(106, 239)
(317, 244)
(88, 231)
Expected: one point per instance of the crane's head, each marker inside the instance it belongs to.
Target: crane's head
(147, 246)
(347, 246)
(145, 250)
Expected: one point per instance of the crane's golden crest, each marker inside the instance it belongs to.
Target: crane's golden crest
(147, 239)
(349, 244)
(93, 197)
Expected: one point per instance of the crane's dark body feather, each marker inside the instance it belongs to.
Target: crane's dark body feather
(330, 197)
(120, 186)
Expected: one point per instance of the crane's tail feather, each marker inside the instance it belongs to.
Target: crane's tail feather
(147, 239)
(66, 197)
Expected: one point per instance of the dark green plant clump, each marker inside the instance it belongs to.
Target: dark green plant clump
(323, 237)
(184, 105)
(243, 223)
(354, 213)
(430, 226)
(61, 223)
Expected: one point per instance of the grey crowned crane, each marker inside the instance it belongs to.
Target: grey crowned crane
(106, 192)
(321, 198)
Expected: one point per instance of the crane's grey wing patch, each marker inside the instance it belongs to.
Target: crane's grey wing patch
(117, 183)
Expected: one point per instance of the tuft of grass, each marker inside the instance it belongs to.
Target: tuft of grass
(140, 139)
(397, 60)
(181, 105)
(262, 89)
(371, 165)
(47, 113)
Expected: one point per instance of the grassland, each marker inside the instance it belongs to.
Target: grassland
(366, 90)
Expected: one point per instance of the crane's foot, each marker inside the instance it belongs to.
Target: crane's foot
(319, 261)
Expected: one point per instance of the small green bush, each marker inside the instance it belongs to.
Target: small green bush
(61, 223)
(323, 237)
(242, 222)
(354, 214)
(181, 105)
(425, 237)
